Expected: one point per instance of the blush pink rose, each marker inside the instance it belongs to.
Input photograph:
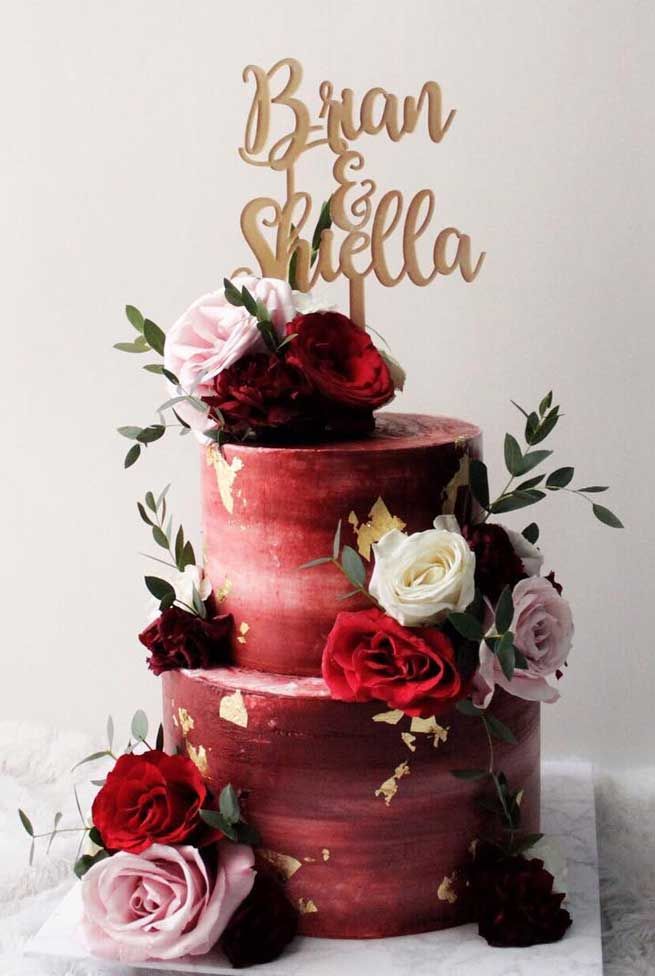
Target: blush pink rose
(543, 632)
(213, 334)
(163, 903)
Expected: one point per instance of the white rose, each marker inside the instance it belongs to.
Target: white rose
(306, 303)
(419, 578)
(185, 582)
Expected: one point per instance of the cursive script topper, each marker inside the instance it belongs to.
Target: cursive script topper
(365, 223)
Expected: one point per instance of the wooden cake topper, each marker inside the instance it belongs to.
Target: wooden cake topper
(366, 224)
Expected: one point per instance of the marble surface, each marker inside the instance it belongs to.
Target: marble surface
(568, 814)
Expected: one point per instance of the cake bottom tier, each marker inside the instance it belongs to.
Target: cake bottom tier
(357, 806)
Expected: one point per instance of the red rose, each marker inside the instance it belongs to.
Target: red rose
(179, 639)
(513, 899)
(370, 656)
(147, 799)
(496, 563)
(339, 360)
(261, 391)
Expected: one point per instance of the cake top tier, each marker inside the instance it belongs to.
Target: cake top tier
(267, 511)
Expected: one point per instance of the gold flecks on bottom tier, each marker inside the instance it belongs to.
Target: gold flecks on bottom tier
(446, 891)
(430, 726)
(186, 721)
(389, 718)
(198, 755)
(243, 632)
(389, 788)
(325, 853)
(233, 709)
(306, 906)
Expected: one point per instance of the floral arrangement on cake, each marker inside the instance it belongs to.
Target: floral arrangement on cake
(453, 613)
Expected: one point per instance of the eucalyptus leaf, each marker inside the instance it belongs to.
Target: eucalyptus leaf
(504, 610)
(159, 587)
(181, 421)
(134, 317)
(232, 293)
(316, 562)
(26, 822)
(466, 707)
(87, 861)
(130, 432)
(159, 741)
(137, 346)
(498, 728)
(469, 774)
(150, 502)
(560, 478)
(247, 834)
(531, 460)
(140, 725)
(520, 408)
(531, 532)
(349, 595)
(248, 301)
(505, 654)
(155, 338)
(592, 489)
(188, 555)
(516, 500)
(92, 758)
(179, 548)
(545, 403)
(160, 537)
(545, 427)
(467, 625)
(530, 483)
(132, 455)
(479, 482)
(353, 566)
(336, 543)
(144, 515)
(525, 842)
(608, 518)
(110, 732)
(228, 804)
(151, 433)
(531, 425)
(513, 455)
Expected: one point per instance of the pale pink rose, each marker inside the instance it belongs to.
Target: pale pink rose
(213, 334)
(543, 632)
(163, 903)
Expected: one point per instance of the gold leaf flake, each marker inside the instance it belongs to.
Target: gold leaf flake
(446, 892)
(325, 853)
(391, 718)
(306, 906)
(199, 757)
(226, 474)
(430, 726)
(309, 860)
(285, 865)
(223, 591)
(233, 709)
(389, 788)
(186, 721)
(380, 522)
(243, 630)
(459, 480)
(409, 740)
(173, 715)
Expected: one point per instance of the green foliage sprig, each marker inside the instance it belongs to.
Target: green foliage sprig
(138, 739)
(324, 222)
(229, 820)
(242, 297)
(348, 562)
(538, 425)
(153, 511)
(499, 638)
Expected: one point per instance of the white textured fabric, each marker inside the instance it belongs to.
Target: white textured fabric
(35, 774)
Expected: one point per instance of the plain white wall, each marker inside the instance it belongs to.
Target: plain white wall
(121, 183)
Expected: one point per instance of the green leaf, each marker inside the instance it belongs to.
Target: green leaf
(132, 456)
(110, 732)
(248, 301)
(479, 482)
(261, 312)
(130, 432)
(467, 625)
(293, 271)
(524, 843)
(198, 605)
(96, 837)
(285, 342)
(181, 421)
(188, 555)
(140, 725)
(91, 758)
(517, 499)
(530, 483)
(151, 433)
(232, 293)
(218, 822)
(228, 804)
(593, 488)
(159, 587)
(531, 425)
(56, 822)
(531, 532)
(560, 478)
(324, 223)
(531, 460)
(520, 660)
(466, 707)
(139, 345)
(159, 741)
(316, 562)
(608, 518)
(469, 774)
(134, 317)
(267, 333)
(179, 548)
(150, 502)
(155, 338)
(545, 427)
(498, 728)
(505, 654)
(336, 543)
(247, 834)
(26, 822)
(144, 515)
(167, 601)
(160, 537)
(87, 861)
(513, 455)
(545, 403)
(349, 595)
(520, 408)
(504, 611)
(353, 566)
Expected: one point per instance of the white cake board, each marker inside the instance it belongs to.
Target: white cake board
(568, 814)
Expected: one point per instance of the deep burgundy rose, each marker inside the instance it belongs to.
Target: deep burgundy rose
(513, 899)
(370, 656)
(147, 799)
(496, 562)
(179, 639)
(262, 926)
(339, 360)
(262, 391)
